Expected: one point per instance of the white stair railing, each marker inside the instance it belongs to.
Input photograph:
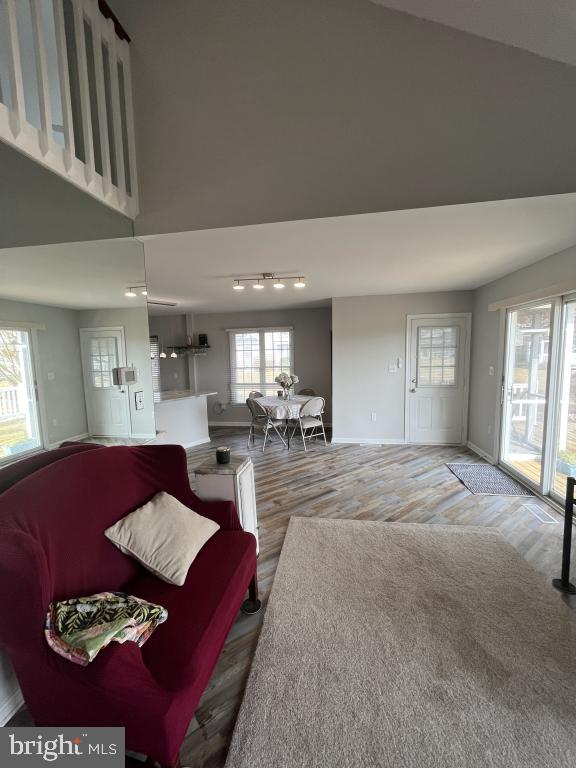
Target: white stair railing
(66, 95)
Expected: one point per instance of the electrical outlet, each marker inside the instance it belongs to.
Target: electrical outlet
(175, 374)
(373, 416)
(54, 422)
(139, 400)
(50, 375)
(491, 371)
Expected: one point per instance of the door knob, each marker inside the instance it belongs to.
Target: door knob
(413, 387)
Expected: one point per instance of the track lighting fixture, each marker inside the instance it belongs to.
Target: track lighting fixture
(259, 281)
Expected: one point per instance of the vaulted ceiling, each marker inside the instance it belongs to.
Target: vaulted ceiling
(545, 27)
(272, 111)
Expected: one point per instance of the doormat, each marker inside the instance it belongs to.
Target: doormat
(488, 480)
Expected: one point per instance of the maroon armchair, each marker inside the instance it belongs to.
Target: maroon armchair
(52, 547)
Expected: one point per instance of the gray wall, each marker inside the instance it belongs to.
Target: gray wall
(369, 334)
(274, 110)
(171, 330)
(487, 340)
(135, 324)
(39, 207)
(58, 353)
(311, 353)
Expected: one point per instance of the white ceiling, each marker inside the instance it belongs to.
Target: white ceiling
(545, 27)
(89, 275)
(432, 249)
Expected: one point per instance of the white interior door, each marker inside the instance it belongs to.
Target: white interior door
(437, 379)
(107, 404)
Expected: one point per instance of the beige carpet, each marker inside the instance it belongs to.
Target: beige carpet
(396, 645)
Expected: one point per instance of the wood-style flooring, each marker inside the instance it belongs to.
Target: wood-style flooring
(398, 483)
(395, 483)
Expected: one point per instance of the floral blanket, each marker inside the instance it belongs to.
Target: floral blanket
(78, 629)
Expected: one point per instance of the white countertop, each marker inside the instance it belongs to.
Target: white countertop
(179, 394)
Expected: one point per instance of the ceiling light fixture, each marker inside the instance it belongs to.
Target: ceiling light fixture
(259, 281)
(131, 291)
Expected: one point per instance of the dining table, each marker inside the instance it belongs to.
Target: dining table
(283, 410)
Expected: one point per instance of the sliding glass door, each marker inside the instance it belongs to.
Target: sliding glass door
(525, 390)
(538, 438)
(19, 425)
(564, 442)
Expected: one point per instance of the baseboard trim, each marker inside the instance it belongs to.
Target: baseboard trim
(483, 455)
(228, 423)
(368, 441)
(11, 705)
(73, 439)
(194, 443)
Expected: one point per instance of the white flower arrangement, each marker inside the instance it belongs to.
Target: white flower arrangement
(286, 381)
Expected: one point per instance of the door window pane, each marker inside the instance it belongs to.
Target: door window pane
(103, 359)
(565, 458)
(19, 431)
(436, 358)
(525, 385)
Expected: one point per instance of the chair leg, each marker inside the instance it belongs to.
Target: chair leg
(253, 604)
(249, 435)
(265, 438)
(279, 435)
(323, 430)
(303, 437)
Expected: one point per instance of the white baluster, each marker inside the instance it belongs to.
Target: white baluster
(97, 27)
(89, 167)
(130, 126)
(113, 55)
(39, 35)
(62, 48)
(18, 111)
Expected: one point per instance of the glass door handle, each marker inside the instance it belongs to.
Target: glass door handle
(413, 387)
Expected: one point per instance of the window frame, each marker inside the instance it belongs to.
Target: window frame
(155, 367)
(35, 367)
(260, 385)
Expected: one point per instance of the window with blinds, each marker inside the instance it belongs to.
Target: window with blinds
(155, 362)
(257, 356)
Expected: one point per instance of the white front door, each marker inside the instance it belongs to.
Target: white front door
(107, 404)
(437, 379)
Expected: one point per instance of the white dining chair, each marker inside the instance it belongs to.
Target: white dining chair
(254, 394)
(262, 422)
(310, 421)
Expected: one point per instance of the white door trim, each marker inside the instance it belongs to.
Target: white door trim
(117, 329)
(467, 317)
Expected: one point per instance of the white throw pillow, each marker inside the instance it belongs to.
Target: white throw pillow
(163, 535)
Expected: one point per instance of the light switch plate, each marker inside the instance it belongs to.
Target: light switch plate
(139, 400)
(392, 368)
